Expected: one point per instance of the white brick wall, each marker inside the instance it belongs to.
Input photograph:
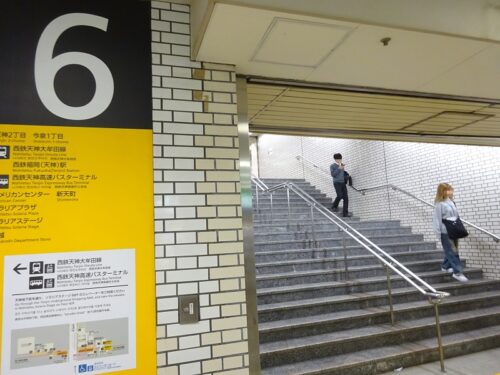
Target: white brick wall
(277, 158)
(415, 167)
(197, 204)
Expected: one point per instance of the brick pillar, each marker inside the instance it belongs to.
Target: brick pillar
(198, 225)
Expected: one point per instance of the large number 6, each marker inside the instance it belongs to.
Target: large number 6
(46, 68)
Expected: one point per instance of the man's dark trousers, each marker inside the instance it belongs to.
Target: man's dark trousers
(341, 190)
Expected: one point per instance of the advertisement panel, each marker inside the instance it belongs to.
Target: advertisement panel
(76, 210)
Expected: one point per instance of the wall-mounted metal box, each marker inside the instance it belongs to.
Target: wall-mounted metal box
(189, 309)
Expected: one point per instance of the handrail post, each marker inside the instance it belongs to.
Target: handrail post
(344, 249)
(312, 226)
(272, 209)
(389, 289)
(436, 302)
(257, 196)
(288, 202)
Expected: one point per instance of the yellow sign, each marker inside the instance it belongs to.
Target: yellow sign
(78, 189)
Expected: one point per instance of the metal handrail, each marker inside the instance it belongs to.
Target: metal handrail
(396, 188)
(383, 256)
(259, 183)
(263, 187)
(434, 296)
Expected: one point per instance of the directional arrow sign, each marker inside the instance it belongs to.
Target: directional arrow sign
(19, 268)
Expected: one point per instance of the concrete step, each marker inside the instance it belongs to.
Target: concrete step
(280, 206)
(279, 220)
(338, 251)
(302, 185)
(271, 183)
(364, 311)
(327, 289)
(265, 198)
(282, 201)
(332, 242)
(297, 226)
(381, 359)
(338, 274)
(281, 353)
(339, 262)
(330, 233)
(282, 212)
(281, 194)
(280, 180)
(295, 207)
(314, 306)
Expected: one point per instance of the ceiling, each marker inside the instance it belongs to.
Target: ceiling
(371, 58)
(270, 43)
(306, 111)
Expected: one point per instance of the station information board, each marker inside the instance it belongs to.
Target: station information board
(76, 211)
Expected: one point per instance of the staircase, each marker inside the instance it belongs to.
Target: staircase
(315, 320)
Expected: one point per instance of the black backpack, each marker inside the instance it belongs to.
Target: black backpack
(347, 178)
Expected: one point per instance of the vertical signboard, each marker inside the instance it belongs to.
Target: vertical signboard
(76, 219)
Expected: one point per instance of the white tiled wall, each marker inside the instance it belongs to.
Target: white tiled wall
(199, 245)
(277, 158)
(415, 167)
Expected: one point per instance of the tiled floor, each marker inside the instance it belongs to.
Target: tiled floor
(482, 363)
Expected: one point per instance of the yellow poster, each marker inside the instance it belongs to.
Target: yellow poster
(76, 222)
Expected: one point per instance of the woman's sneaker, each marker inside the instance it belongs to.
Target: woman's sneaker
(448, 270)
(460, 277)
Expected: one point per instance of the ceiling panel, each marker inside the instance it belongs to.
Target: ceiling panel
(301, 43)
(446, 121)
(478, 76)
(371, 115)
(408, 61)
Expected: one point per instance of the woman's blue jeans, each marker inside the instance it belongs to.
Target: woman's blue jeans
(451, 257)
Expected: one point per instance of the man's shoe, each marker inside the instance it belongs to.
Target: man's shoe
(448, 270)
(348, 215)
(335, 209)
(460, 277)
